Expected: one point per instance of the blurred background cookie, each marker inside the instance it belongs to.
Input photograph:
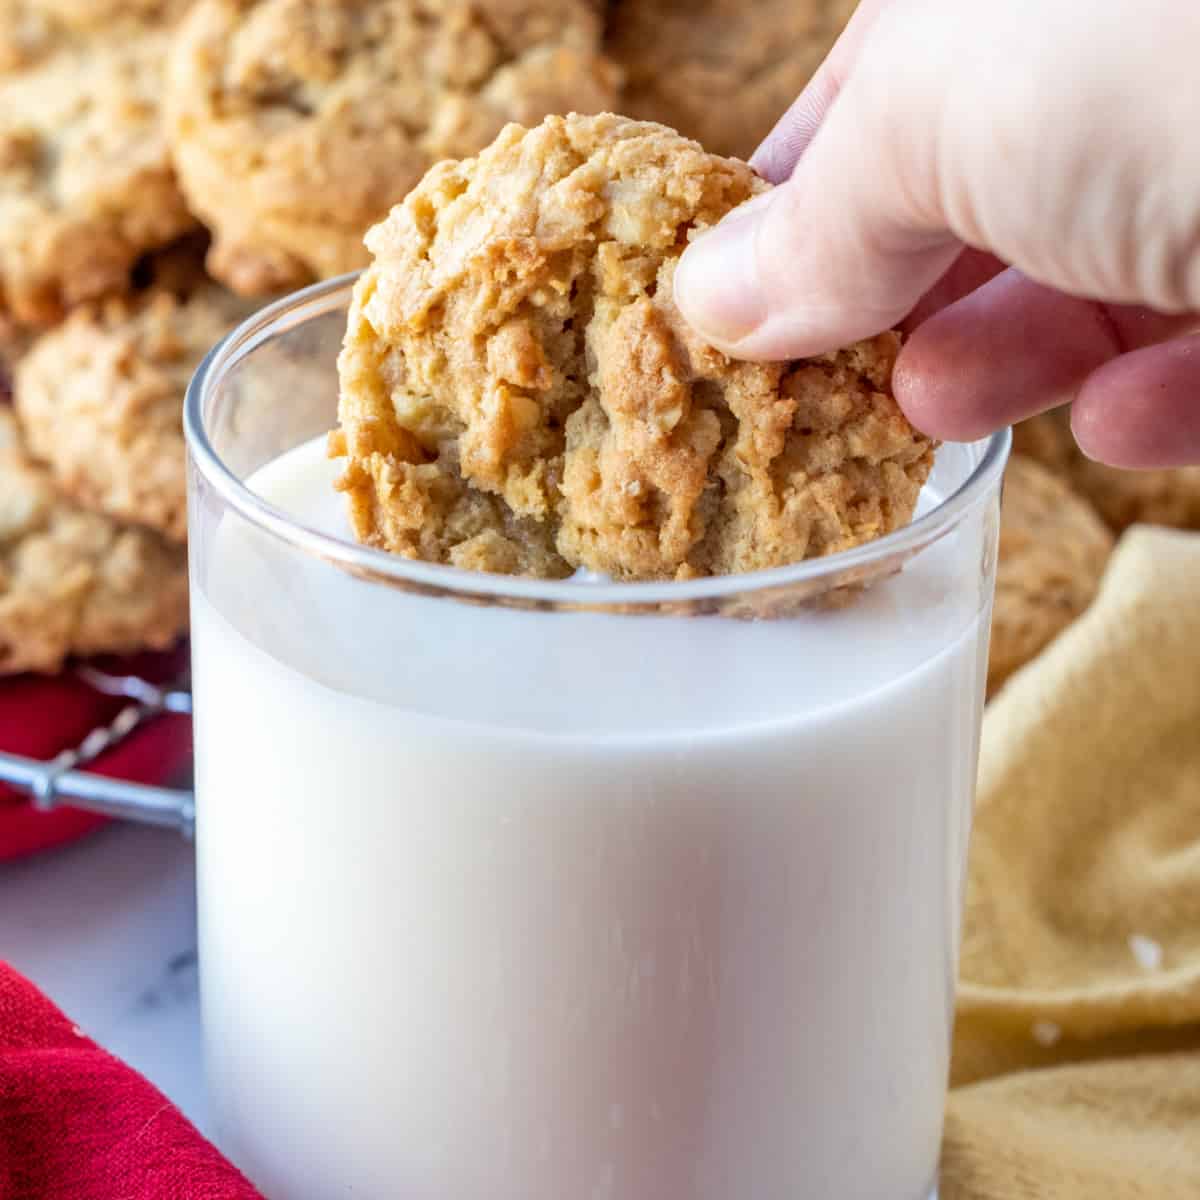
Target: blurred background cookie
(296, 124)
(88, 15)
(1164, 497)
(101, 399)
(720, 71)
(86, 184)
(1053, 551)
(75, 582)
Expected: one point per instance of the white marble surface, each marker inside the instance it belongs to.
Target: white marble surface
(107, 928)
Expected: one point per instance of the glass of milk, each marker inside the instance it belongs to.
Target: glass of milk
(524, 890)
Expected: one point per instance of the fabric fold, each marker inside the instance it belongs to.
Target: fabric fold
(1082, 926)
(75, 1122)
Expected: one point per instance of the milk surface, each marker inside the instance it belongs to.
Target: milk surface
(513, 905)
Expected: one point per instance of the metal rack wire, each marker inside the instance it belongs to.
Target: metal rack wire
(65, 780)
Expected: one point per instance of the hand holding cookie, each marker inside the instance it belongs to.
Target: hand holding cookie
(1028, 206)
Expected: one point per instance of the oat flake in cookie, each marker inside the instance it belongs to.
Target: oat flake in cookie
(75, 582)
(296, 124)
(520, 394)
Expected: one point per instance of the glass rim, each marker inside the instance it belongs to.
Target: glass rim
(320, 298)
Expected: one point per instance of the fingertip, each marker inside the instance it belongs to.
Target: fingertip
(1139, 410)
(782, 148)
(928, 386)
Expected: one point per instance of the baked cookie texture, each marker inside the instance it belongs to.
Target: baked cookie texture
(74, 582)
(1053, 551)
(296, 124)
(87, 15)
(720, 71)
(86, 184)
(520, 394)
(31, 28)
(1123, 498)
(26, 34)
(100, 399)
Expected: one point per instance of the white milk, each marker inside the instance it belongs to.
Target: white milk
(505, 905)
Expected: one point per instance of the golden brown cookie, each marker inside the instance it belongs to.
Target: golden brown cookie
(101, 400)
(31, 28)
(1053, 550)
(1123, 498)
(720, 71)
(26, 34)
(296, 124)
(516, 376)
(86, 186)
(90, 15)
(74, 582)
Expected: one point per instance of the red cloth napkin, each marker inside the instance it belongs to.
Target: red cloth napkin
(76, 1124)
(40, 716)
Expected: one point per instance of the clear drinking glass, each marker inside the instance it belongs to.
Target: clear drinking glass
(523, 890)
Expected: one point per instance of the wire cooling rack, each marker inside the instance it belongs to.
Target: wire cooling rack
(65, 779)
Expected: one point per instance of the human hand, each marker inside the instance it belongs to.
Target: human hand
(1017, 184)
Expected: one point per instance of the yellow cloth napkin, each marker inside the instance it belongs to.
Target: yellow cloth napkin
(1082, 927)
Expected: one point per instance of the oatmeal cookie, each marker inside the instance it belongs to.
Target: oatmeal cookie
(100, 398)
(31, 30)
(86, 186)
(1053, 550)
(89, 15)
(26, 35)
(296, 124)
(74, 582)
(515, 370)
(1123, 498)
(720, 71)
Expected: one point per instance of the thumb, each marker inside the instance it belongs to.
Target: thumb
(981, 125)
(848, 244)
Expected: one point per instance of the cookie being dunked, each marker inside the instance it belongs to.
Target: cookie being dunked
(520, 394)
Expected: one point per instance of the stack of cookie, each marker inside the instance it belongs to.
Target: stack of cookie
(164, 165)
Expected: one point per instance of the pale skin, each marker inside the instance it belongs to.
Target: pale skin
(1018, 186)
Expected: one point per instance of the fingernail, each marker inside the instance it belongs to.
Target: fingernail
(717, 286)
